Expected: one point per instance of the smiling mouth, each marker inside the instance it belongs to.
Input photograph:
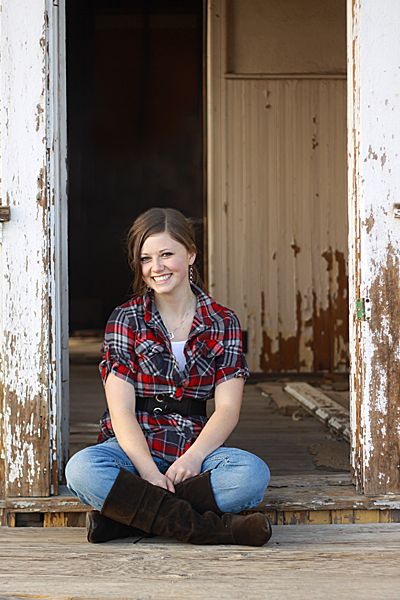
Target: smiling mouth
(161, 278)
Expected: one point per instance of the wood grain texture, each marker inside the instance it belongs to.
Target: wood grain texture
(299, 562)
(27, 265)
(374, 265)
(324, 408)
(277, 190)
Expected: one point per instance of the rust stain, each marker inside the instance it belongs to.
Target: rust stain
(39, 113)
(330, 325)
(27, 448)
(287, 357)
(41, 196)
(262, 309)
(369, 223)
(296, 249)
(329, 341)
(385, 382)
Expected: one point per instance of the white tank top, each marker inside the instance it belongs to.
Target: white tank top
(177, 349)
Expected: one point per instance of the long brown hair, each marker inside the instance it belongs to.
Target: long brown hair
(158, 220)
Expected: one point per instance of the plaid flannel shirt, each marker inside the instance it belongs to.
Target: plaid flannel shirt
(137, 349)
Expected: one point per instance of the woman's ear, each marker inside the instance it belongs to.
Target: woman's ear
(192, 257)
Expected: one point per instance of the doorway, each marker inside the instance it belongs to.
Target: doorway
(135, 90)
(135, 136)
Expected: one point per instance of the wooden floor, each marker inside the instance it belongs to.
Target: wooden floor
(290, 446)
(353, 562)
(310, 472)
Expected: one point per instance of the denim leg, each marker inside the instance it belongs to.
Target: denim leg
(91, 472)
(238, 478)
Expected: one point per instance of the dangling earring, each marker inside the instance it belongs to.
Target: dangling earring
(191, 273)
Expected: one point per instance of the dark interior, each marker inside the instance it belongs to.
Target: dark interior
(135, 137)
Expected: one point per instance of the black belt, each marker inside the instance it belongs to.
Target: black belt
(162, 404)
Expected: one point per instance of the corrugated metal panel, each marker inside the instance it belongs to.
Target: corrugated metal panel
(285, 205)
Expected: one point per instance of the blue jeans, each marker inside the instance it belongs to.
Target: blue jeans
(238, 478)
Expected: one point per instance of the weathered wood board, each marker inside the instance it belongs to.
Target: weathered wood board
(374, 251)
(302, 563)
(324, 408)
(285, 404)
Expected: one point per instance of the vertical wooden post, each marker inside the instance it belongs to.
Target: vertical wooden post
(374, 265)
(217, 223)
(29, 296)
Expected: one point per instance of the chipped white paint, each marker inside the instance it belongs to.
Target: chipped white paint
(27, 269)
(374, 189)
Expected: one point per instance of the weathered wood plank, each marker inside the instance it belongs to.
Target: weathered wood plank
(298, 563)
(329, 412)
(342, 516)
(374, 265)
(27, 266)
(285, 404)
(319, 517)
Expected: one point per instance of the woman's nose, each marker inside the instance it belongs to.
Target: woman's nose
(157, 265)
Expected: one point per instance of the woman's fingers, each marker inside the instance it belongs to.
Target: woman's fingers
(170, 485)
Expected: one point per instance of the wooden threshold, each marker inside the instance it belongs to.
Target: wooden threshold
(324, 499)
(301, 499)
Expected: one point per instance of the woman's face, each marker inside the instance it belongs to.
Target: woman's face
(165, 263)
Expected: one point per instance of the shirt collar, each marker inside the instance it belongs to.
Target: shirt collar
(202, 318)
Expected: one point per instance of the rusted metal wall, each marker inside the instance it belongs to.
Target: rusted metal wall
(374, 225)
(278, 206)
(27, 258)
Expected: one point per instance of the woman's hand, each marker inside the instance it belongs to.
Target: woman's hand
(157, 478)
(186, 466)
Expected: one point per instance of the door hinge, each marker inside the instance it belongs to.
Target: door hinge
(363, 309)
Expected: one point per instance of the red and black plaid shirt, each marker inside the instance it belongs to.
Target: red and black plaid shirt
(137, 349)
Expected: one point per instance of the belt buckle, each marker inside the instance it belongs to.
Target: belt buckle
(160, 410)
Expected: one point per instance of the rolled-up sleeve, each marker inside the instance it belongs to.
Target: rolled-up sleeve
(232, 363)
(118, 348)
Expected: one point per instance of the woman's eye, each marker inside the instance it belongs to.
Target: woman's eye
(144, 258)
(167, 254)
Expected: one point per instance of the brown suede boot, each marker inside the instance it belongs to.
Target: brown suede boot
(102, 529)
(199, 493)
(136, 502)
(196, 490)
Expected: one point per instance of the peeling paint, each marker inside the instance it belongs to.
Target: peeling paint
(369, 223)
(375, 257)
(287, 208)
(25, 341)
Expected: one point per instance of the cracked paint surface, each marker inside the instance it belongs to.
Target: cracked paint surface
(25, 268)
(374, 181)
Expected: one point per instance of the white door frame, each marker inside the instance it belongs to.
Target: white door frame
(57, 128)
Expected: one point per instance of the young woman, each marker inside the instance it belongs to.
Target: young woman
(161, 466)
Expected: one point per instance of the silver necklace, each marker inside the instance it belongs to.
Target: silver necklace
(171, 333)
